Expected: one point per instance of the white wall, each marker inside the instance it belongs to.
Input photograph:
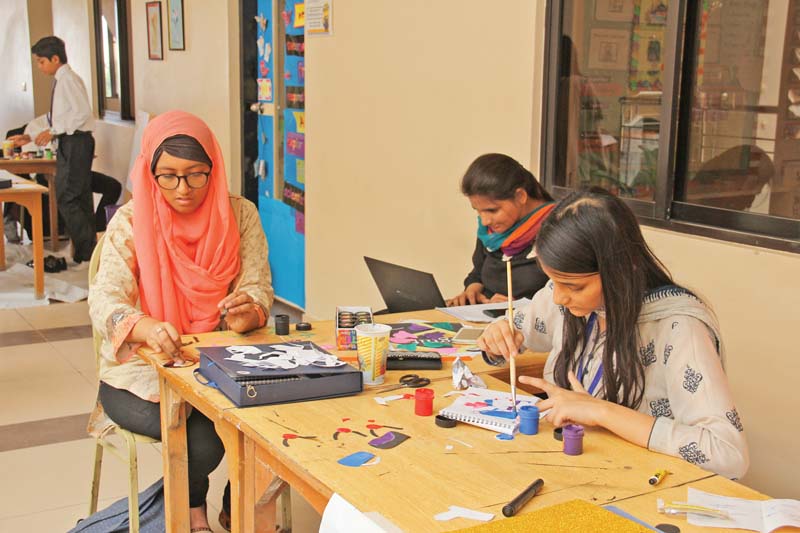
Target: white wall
(198, 79)
(755, 293)
(400, 99)
(16, 89)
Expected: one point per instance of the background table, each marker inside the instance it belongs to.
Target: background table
(29, 194)
(46, 167)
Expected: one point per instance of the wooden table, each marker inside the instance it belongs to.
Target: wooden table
(29, 194)
(46, 167)
(411, 483)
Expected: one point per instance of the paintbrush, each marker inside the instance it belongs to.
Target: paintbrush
(512, 360)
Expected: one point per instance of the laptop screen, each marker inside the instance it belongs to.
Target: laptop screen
(404, 289)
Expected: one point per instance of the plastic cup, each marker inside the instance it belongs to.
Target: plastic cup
(8, 149)
(423, 402)
(529, 420)
(373, 348)
(573, 439)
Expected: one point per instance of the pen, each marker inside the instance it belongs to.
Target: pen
(524, 497)
(513, 364)
(656, 478)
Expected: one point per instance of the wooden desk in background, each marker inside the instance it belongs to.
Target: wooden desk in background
(46, 167)
(29, 194)
(416, 480)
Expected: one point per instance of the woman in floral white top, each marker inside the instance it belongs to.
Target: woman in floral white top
(173, 259)
(629, 350)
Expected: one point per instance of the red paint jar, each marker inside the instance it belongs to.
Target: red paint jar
(423, 402)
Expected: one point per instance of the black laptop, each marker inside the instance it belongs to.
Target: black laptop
(404, 289)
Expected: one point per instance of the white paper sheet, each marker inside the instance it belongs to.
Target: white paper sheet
(474, 313)
(763, 516)
(340, 516)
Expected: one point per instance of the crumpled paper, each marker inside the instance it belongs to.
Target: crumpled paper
(463, 378)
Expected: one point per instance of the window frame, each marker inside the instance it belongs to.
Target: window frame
(766, 231)
(106, 107)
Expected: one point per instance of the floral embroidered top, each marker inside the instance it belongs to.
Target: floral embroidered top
(114, 295)
(685, 385)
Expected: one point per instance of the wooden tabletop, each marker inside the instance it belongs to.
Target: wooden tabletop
(436, 467)
(20, 186)
(431, 471)
(29, 166)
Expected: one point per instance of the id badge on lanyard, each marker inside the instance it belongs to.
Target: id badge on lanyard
(581, 369)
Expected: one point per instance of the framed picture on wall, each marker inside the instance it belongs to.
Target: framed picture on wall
(614, 10)
(609, 49)
(155, 46)
(175, 24)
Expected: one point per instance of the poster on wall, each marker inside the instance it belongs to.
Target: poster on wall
(155, 47)
(175, 16)
(614, 10)
(609, 49)
(319, 16)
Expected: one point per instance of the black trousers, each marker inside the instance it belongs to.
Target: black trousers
(204, 445)
(74, 190)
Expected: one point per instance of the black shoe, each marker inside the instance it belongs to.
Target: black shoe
(52, 264)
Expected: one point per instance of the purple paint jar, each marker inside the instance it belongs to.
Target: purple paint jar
(573, 439)
(529, 420)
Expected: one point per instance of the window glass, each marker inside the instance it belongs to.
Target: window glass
(743, 149)
(609, 95)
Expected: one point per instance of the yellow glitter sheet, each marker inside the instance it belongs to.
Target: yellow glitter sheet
(568, 517)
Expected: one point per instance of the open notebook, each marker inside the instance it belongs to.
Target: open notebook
(489, 409)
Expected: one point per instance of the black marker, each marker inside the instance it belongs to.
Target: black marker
(524, 497)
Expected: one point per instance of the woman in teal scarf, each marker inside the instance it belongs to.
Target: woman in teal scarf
(511, 208)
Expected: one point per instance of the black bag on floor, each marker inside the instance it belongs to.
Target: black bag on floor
(114, 519)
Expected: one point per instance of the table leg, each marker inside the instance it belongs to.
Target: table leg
(261, 491)
(233, 440)
(53, 205)
(35, 209)
(175, 456)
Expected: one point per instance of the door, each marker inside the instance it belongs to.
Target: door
(274, 135)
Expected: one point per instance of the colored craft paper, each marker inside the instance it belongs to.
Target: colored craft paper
(296, 144)
(300, 120)
(389, 440)
(356, 459)
(300, 167)
(299, 15)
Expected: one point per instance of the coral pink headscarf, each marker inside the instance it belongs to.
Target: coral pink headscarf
(186, 262)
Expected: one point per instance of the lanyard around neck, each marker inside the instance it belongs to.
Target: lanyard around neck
(581, 369)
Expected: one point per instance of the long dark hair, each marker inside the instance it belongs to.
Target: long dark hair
(593, 231)
(498, 176)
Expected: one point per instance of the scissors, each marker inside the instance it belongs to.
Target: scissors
(409, 380)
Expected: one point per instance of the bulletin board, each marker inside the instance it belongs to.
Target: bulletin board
(282, 190)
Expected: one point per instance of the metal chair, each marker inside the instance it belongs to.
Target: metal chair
(127, 453)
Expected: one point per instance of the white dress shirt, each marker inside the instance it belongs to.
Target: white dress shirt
(71, 109)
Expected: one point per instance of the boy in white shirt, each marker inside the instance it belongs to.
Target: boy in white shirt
(70, 123)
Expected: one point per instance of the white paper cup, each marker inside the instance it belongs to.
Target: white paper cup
(373, 348)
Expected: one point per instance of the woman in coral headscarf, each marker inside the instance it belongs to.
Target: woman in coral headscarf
(169, 264)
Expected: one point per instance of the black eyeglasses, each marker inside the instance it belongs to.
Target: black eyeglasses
(195, 180)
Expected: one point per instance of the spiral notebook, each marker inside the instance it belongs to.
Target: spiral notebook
(489, 409)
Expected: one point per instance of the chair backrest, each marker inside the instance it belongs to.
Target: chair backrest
(94, 265)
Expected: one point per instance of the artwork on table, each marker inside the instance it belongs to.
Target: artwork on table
(614, 10)
(608, 49)
(155, 46)
(175, 24)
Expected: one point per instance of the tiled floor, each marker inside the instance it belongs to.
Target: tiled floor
(47, 388)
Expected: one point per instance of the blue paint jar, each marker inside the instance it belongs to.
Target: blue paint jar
(529, 419)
